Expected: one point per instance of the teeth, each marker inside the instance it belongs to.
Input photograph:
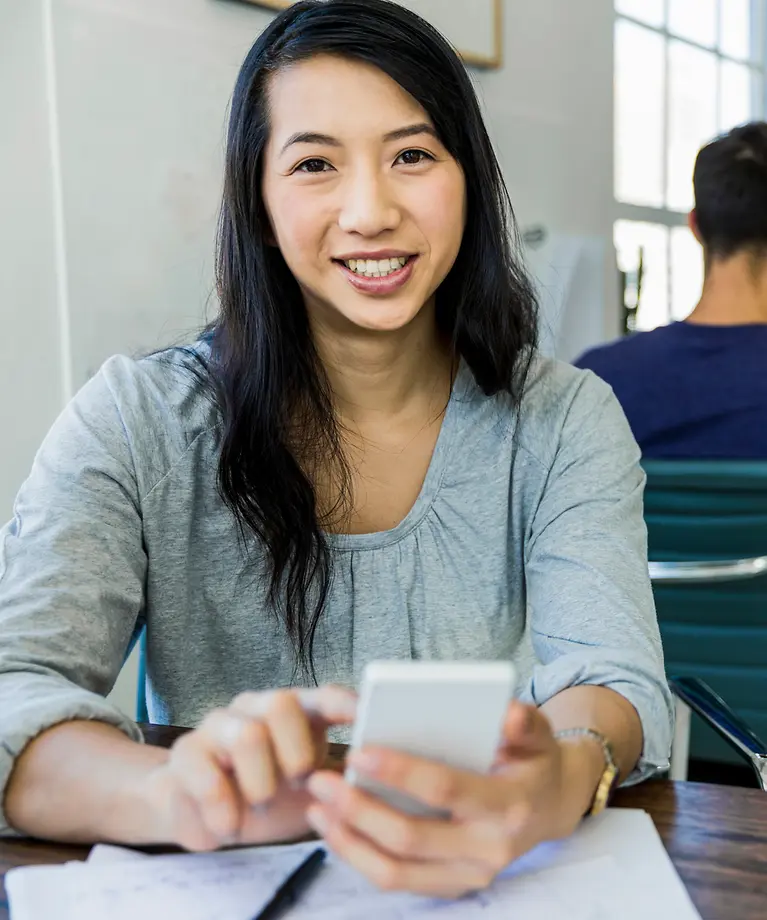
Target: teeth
(371, 268)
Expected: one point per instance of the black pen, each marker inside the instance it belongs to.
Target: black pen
(290, 890)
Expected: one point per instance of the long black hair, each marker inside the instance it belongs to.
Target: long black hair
(270, 386)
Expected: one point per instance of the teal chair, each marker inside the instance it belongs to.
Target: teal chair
(707, 530)
(142, 714)
(139, 637)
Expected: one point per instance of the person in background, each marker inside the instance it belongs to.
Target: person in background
(364, 457)
(698, 388)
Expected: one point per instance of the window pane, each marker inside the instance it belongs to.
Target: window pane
(693, 19)
(736, 95)
(639, 82)
(686, 272)
(652, 239)
(735, 38)
(649, 11)
(692, 116)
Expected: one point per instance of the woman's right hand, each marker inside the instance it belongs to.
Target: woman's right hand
(240, 777)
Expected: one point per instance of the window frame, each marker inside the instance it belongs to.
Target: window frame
(664, 215)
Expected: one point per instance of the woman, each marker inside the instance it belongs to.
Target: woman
(362, 458)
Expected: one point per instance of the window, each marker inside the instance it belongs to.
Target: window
(685, 70)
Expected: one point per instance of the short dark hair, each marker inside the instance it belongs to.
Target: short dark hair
(730, 183)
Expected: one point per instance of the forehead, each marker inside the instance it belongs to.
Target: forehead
(340, 97)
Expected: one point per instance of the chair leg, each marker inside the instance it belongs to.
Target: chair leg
(680, 749)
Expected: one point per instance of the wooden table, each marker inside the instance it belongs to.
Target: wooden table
(715, 835)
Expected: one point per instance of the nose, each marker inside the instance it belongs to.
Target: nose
(368, 206)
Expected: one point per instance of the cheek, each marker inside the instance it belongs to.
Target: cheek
(297, 226)
(442, 214)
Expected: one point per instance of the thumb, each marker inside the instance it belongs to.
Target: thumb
(526, 729)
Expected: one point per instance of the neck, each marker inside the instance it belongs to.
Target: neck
(734, 292)
(384, 373)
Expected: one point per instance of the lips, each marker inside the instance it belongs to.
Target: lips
(386, 284)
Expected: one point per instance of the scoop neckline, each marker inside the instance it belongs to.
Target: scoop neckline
(351, 542)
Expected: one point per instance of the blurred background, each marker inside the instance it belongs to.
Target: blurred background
(113, 120)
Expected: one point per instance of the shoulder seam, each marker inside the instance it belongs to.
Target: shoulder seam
(173, 465)
(178, 460)
(535, 457)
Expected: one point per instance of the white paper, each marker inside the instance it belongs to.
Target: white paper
(108, 853)
(615, 859)
(630, 837)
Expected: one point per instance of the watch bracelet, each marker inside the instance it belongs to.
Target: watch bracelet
(607, 780)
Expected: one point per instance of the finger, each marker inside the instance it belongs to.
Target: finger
(408, 837)
(330, 704)
(191, 830)
(526, 729)
(463, 793)
(291, 736)
(244, 744)
(202, 779)
(387, 872)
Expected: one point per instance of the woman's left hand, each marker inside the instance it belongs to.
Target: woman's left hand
(496, 818)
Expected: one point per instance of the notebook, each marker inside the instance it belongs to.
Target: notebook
(615, 864)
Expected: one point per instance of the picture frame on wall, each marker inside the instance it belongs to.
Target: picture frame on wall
(478, 37)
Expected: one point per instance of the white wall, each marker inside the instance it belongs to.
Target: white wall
(142, 89)
(30, 372)
(550, 112)
(138, 96)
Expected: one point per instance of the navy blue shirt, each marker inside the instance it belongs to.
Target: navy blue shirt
(691, 391)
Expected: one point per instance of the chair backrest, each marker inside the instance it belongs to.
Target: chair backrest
(703, 510)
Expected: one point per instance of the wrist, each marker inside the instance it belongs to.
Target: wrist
(583, 765)
(138, 812)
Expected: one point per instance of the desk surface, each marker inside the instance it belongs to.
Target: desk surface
(715, 835)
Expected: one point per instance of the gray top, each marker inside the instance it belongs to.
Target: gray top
(526, 542)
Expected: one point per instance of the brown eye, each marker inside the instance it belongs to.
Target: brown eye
(312, 166)
(414, 157)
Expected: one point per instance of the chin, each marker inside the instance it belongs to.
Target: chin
(382, 318)
(388, 324)
(367, 314)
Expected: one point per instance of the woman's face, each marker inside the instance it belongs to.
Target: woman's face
(366, 205)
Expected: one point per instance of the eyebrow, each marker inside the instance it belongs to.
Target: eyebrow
(312, 137)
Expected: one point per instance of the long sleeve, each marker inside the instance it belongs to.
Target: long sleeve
(592, 616)
(72, 570)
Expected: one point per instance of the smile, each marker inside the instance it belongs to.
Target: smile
(376, 268)
(378, 276)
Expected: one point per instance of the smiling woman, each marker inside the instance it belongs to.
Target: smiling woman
(362, 457)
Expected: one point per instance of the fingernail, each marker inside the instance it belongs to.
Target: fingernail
(364, 761)
(342, 707)
(322, 788)
(330, 702)
(316, 818)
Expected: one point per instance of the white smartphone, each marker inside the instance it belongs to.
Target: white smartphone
(448, 711)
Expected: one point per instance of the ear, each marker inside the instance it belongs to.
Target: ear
(692, 223)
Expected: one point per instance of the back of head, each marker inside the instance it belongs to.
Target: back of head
(730, 183)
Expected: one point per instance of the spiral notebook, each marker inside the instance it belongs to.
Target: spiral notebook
(615, 865)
